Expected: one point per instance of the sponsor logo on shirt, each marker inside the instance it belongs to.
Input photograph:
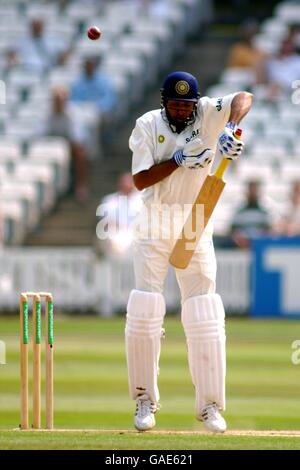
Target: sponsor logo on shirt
(219, 104)
(161, 139)
(193, 136)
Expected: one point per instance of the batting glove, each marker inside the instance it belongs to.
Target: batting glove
(229, 146)
(193, 156)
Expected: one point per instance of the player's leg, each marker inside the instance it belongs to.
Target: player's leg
(203, 321)
(144, 321)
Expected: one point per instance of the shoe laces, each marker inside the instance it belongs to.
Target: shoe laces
(210, 411)
(144, 406)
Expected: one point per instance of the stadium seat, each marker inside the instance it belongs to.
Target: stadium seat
(269, 151)
(38, 10)
(274, 27)
(257, 171)
(132, 67)
(21, 128)
(43, 176)
(146, 48)
(87, 48)
(288, 12)
(266, 43)
(290, 171)
(60, 77)
(27, 194)
(14, 228)
(56, 152)
(10, 148)
(239, 77)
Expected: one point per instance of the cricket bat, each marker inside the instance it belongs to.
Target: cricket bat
(200, 214)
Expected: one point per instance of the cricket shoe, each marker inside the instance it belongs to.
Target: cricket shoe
(212, 419)
(144, 414)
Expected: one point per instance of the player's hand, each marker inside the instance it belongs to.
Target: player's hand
(229, 146)
(194, 156)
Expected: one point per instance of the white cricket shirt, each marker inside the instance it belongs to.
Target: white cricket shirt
(152, 141)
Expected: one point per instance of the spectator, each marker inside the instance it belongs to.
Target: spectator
(38, 52)
(95, 87)
(251, 220)
(154, 8)
(61, 123)
(289, 225)
(119, 210)
(244, 54)
(11, 61)
(293, 37)
(279, 72)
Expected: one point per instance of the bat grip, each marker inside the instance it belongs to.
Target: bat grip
(225, 162)
(221, 168)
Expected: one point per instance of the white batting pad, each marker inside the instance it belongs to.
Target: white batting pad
(203, 319)
(144, 319)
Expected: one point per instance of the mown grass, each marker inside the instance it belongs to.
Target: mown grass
(91, 386)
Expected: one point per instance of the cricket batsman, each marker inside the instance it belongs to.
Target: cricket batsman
(173, 151)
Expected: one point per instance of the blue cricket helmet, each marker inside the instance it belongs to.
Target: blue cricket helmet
(181, 86)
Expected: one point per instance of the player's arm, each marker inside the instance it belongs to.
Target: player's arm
(229, 146)
(153, 175)
(240, 106)
(193, 156)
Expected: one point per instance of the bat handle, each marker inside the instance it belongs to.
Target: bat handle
(225, 162)
(221, 168)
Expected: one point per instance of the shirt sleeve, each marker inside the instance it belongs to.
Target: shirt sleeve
(222, 107)
(141, 145)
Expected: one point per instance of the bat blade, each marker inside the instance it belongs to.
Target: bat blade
(200, 214)
(196, 222)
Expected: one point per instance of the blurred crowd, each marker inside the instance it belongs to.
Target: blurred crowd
(255, 219)
(275, 71)
(41, 52)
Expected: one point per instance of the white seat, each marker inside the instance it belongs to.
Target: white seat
(288, 12)
(81, 12)
(266, 43)
(289, 112)
(238, 76)
(10, 149)
(271, 151)
(274, 27)
(56, 152)
(146, 48)
(21, 128)
(262, 113)
(121, 84)
(252, 171)
(3, 172)
(290, 171)
(31, 112)
(12, 213)
(280, 131)
(222, 217)
(60, 78)
(24, 78)
(87, 48)
(221, 89)
(162, 33)
(46, 12)
(277, 191)
(233, 193)
(62, 28)
(27, 194)
(43, 176)
(133, 68)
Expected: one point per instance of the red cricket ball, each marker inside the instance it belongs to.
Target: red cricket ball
(94, 33)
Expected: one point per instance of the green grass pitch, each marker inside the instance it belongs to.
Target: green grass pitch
(91, 394)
